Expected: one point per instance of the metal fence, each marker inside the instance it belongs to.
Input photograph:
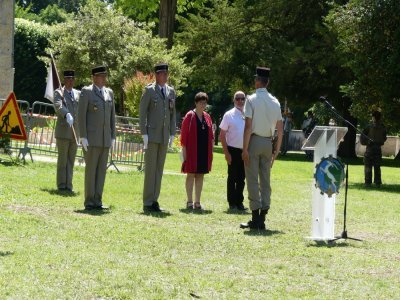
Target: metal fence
(40, 121)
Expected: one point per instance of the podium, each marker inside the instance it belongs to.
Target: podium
(324, 140)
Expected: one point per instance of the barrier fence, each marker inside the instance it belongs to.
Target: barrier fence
(40, 121)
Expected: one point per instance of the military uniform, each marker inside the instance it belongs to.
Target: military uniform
(157, 121)
(376, 132)
(66, 102)
(265, 113)
(97, 125)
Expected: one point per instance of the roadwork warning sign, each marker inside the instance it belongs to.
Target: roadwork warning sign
(10, 119)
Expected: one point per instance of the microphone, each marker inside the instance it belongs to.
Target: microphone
(326, 102)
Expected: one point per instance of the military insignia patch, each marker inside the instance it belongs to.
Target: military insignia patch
(329, 175)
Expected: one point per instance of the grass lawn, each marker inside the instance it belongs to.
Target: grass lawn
(51, 249)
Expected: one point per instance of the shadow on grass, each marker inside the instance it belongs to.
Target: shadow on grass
(64, 193)
(93, 212)
(154, 214)
(329, 244)
(196, 211)
(390, 188)
(6, 253)
(267, 232)
(236, 212)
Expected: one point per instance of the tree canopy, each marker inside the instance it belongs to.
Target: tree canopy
(369, 39)
(99, 35)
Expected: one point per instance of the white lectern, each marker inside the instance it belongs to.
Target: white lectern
(324, 140)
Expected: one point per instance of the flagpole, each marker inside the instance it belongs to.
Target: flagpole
(62, 94)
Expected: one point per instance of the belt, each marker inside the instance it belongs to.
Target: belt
(265, 137)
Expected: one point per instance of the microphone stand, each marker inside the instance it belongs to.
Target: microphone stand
(344, 235)
(333, 110)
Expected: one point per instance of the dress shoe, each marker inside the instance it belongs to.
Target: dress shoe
(232, 206)
(155, 207)
(241, 207)
(100, 207)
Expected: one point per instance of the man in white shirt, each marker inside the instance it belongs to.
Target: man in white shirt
(231, 137)
(263, 115)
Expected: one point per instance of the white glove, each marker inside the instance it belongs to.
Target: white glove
(84, 143)
(145, 141)
(171, 140)
(112, 143)
(70, 119)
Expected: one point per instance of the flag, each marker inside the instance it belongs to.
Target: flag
(53, 81)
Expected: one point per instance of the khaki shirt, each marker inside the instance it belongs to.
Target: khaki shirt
(264, 110)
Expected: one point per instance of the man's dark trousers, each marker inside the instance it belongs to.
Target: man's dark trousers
(236, 177)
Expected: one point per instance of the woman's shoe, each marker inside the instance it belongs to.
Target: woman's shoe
(189, 205)
(197, 205)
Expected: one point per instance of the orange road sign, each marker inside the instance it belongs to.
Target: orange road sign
(10, 119)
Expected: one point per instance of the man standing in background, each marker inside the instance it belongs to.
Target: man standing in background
(66, 105)
(157, 126)
(231, 137)
(374, 136)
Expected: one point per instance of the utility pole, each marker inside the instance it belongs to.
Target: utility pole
(6, 47)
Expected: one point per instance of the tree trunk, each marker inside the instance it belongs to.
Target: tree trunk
(167, 20)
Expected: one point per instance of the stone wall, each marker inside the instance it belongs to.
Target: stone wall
(390, 148)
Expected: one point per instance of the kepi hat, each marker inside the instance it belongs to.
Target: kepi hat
(69, 73)
(99, 70)
(262, 72)
(162, 67)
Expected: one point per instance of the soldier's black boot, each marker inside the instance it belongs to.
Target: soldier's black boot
(254, 222)
(261, 224)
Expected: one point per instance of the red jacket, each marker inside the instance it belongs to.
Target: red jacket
(189, 140)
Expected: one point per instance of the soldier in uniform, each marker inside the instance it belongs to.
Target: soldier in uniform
(374, 136)
(157, 126)
(262, 113)
(97, 130)
(66, 105)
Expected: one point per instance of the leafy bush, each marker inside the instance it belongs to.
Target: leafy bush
(133, 89)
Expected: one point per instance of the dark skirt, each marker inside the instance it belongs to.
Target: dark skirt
(202, 146)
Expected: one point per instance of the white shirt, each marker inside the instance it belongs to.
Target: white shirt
(233, 124)
(264, 110)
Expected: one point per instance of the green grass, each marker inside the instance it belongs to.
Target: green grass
(51, 249)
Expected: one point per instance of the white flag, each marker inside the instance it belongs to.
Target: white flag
(53, 81)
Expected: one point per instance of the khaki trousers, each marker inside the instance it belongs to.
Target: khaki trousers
(258, 172)
(154, 159)
(65, 162)
(95, 174)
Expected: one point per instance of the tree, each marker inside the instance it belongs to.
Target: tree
(167, 20)
(146, 11)
(53, 14)
(228, 40)
(35, 6)
(100, 35)
(30, 41)
(369, 35)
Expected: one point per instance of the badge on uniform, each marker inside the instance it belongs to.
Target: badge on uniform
(95, 107)
(171, 103)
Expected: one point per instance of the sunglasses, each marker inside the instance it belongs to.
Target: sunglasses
(240, 98)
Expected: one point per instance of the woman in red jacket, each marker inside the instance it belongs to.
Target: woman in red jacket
(197, 147)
